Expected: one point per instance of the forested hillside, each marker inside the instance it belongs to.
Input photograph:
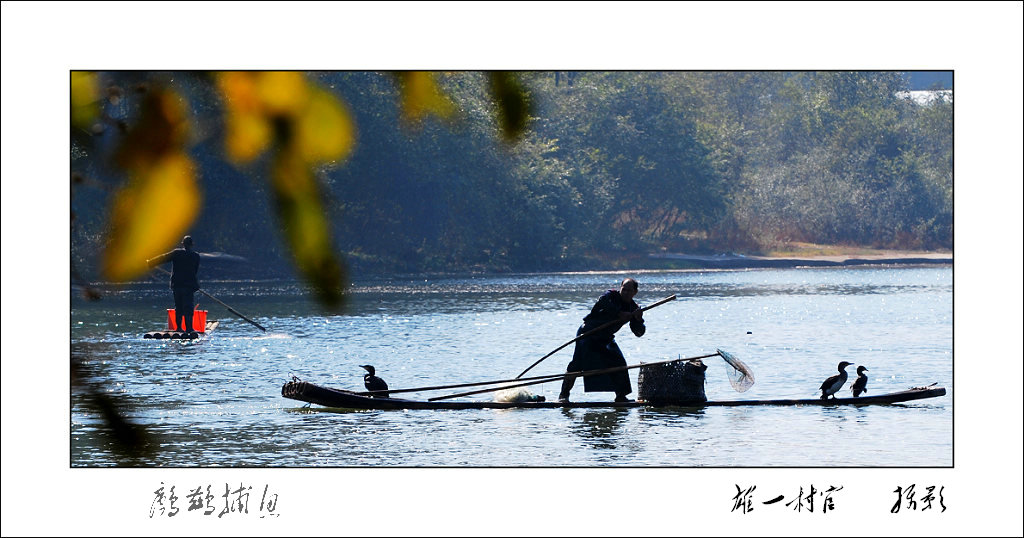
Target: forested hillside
(609, 166)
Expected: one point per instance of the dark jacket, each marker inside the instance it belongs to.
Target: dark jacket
(185, 268)
(599, 350)
(606, 310)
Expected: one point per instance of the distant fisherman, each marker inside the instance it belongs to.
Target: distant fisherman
(372, 382)
(184, 282)
(860, 386)
(834, 383)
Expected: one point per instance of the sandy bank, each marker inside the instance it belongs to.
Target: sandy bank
(732, 260)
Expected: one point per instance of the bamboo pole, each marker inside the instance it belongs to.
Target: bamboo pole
(520, 376)
(572, 374)
(549, 377)
(598, 329)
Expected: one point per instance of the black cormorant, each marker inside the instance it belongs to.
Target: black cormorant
(372, 382)
(860, 386)
(832, 385)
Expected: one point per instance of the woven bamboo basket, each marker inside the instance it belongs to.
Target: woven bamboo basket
(672, 383)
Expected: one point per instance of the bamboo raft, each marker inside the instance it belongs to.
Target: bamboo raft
(181, 335)
(336, 398)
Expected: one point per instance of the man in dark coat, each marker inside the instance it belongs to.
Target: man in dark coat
(599, 350)
(184, 281)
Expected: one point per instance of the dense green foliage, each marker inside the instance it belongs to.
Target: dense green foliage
(611, 165)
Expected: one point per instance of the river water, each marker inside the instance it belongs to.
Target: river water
(219, 403)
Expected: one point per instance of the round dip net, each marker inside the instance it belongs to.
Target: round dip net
(740, 376)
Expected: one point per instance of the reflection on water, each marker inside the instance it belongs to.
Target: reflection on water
(219, 402)
(683, 416)
(599, 427)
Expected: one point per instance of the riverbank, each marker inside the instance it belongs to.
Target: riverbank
(801, 255)
(794, 255)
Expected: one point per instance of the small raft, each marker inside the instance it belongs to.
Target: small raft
(182, 335)
(328, 397)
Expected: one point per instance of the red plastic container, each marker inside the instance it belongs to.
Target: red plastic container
(198, 321)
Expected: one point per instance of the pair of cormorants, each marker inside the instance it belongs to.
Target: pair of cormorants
(832, 385)
(372, 382)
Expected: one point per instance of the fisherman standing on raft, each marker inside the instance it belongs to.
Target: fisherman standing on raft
(599, 350)
(184, 281)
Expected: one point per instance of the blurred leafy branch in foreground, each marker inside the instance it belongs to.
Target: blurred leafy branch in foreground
(281, 120)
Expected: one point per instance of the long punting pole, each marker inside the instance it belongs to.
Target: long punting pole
(549, 377)
(588, 333)
(571, 374)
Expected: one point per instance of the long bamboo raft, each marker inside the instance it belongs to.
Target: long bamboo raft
(336, 398)
(167, 334)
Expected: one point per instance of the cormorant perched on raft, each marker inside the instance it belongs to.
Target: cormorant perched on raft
(372, 382)
(832, 385)
(860, 386)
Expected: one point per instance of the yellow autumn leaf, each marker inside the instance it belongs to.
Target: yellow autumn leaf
(307, 125)
(282, 92)
(247, 136)
(239, 91)
(161, 130)
(310, 237)
(84, 99)
(307, 230)
(248, 131)
(299, 204)
(421, 96)
(150, 215)
(325, 129)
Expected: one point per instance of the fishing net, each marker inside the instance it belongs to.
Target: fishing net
(740, 376)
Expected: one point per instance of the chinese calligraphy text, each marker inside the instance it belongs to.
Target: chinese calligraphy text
(202, 500)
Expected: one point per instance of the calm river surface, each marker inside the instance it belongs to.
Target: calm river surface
(219, 403)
